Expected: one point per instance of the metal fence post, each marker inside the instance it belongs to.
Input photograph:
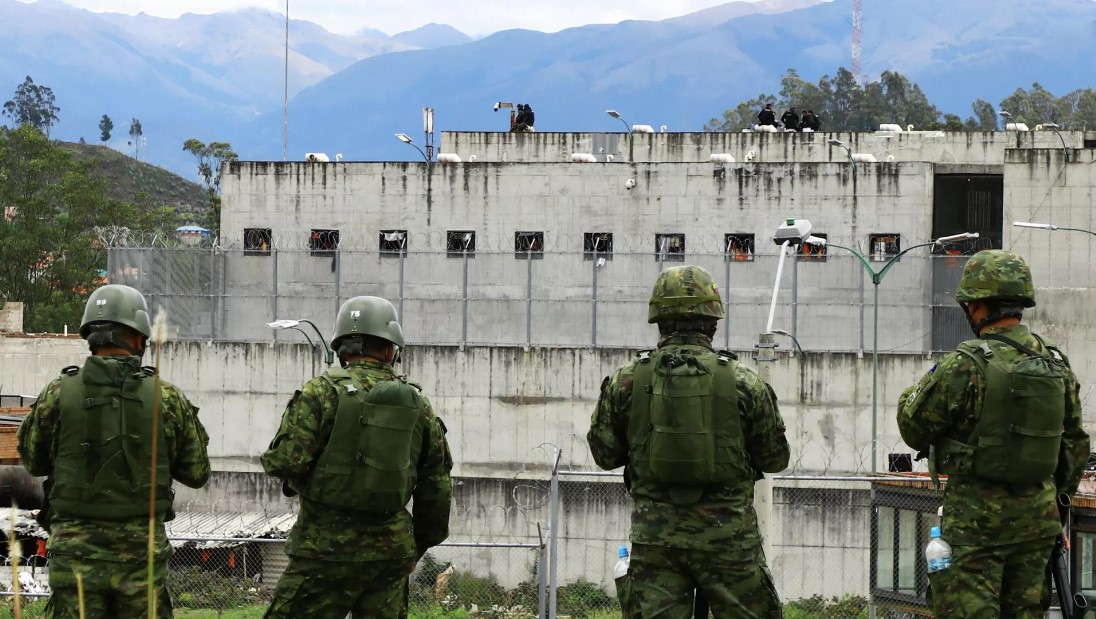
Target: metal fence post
(593, 317)
(403, 253)
(337, 258)
(213, 305)
(464, 304)
(863, 274)
(795, 297)
(542, 576)
(727, 302)
(529, 300)
(553, 536)
(274, 297)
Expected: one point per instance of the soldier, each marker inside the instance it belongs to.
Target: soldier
(693, 430)
(1001, 416)
(357, 443)
(91, 431)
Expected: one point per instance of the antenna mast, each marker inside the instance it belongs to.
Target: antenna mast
(857, 38)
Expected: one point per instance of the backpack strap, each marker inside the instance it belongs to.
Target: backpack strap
(1017, 345)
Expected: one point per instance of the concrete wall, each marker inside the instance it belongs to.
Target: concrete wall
(501, 405)
(564, 201)
(935, 146)
(11, 317)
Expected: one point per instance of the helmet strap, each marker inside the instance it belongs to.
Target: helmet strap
(994, 312)
(106, 334)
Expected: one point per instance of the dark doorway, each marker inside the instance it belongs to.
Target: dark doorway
(961, 203)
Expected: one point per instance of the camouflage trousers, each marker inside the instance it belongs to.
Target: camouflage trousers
(111, 589)
(1008, 581)
(735, 584)
(314, 589)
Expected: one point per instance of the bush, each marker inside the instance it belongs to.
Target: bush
(579, 599)
(194, 587)
(818, 607)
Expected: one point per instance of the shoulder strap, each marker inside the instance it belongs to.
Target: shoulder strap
(1017, 345)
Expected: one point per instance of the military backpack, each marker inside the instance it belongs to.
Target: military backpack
(1018, 432)
(370, 461)
(685, 428)
(104, 450)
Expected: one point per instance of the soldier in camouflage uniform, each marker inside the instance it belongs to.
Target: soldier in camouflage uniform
(1001, 416)
(693, 430)
(356, 443)
(90, 433)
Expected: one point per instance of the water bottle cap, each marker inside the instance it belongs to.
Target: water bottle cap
(622, 552)
(935, 533)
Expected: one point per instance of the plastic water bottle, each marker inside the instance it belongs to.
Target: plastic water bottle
(621, 568)
(938, 552)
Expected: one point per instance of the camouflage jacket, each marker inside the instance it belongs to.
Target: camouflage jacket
(945, 404)
(126, 540)
(336, 535)
(724, 517)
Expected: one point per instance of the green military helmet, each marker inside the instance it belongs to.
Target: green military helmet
(367, 316)
(118, 304)
(996, 274)
(682, 292)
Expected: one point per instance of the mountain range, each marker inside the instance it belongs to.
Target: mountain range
(220, 77)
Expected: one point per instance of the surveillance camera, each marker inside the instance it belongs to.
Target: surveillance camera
(628, 184)
(496, 107)
(796, 231)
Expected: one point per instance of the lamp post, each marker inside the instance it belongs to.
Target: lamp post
(1055, 127)
(848, 151)
(1008, 117)
(406, 139)
(627, 130)
(1028, 224)
(876, 279)
(329, 355)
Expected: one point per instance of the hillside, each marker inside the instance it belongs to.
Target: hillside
(127, 179)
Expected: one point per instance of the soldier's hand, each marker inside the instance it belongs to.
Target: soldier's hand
(1065, 539)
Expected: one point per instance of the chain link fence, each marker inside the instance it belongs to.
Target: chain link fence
(544, 298)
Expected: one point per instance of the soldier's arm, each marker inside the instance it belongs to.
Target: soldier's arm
(762, 427)
(189, 440)
(941, 398)
(608, 435)
(298, 442)
(434, 488)
(37, 434)
(1074, 452)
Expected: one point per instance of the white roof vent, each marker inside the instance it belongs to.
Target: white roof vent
(448, 158)
(642, 129)
(721, 158)
(316, 157)
(583, 158)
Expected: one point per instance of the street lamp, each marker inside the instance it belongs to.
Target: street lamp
(1028, 224)
(286, 323)
(876, 279)
(1008, 117)
(1055, 127)
(785, 333)
(627, 130)
(406, 139)
(616, 115)
(848, 151)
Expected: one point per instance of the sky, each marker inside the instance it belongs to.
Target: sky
(474, 17)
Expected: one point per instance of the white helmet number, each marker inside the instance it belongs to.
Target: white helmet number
(355, 314)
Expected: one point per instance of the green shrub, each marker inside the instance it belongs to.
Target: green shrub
(818, 607)
(579, 599)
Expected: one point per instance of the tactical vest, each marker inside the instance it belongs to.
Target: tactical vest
(1018, 433)
(370, 461)
(684, 428)
(104, 451)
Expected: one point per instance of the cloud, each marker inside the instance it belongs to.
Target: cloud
(392, 16)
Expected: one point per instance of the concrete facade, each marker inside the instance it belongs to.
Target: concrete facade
(11, 317)
(975, 147)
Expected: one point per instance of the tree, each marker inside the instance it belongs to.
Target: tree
(106, 125)
(33, 106)
(211, 158)
(50, 255)
(985, 116)
(135, 133)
